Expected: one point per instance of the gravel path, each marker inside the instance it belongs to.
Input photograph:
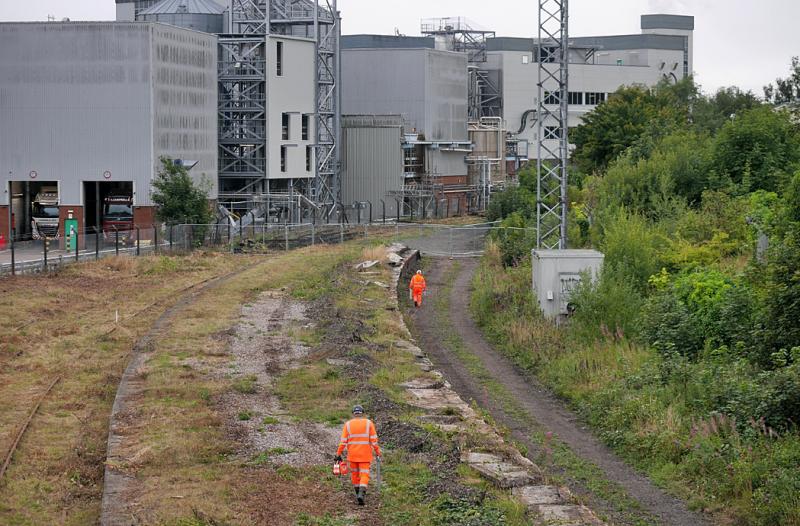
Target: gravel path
(537, 402)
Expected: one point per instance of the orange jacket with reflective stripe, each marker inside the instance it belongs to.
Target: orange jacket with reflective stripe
(360, 439)
(417, 283)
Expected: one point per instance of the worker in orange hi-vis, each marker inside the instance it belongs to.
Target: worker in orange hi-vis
(417, 287)
(360, 439)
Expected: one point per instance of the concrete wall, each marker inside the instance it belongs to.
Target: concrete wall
(102, 101)
(372, 166)
(185, 101)
(292, 93)
(427, 87)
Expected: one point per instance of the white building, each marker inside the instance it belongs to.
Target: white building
(598, 67)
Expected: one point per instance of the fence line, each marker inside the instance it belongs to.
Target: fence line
(45, 255)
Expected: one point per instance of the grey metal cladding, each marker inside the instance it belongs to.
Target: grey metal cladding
(615, 42)
(386, 42)
(668, 22)
(372, 166)
(509, 44)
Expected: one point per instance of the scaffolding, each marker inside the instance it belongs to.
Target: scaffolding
(551, 124)
(243, 92)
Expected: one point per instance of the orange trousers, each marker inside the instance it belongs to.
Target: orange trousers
(417, 297)
(359, 473)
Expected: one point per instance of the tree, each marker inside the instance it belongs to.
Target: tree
(785, 90)
(615, 125)
(178, 198)
(755, 150)
(709, 114)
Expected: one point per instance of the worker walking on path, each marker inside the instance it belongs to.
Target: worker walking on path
(417, 287)
(360, 439)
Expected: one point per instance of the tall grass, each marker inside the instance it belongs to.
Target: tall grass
(664, 414)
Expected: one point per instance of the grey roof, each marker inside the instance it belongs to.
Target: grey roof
(616, 42)
(195, 7)
(386, 41)
(668, 22)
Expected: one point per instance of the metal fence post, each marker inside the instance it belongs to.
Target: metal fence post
(357, 206)
(229, 231)
(13, 252)
(77, 245)
(286, 235)
(116, 241)
(313, 233)
(435, 208)
(341, 233)
(45, 252)
(171, 227)
(96, 243)
(370, 211)
(155, 239)
(448, 207)
(138, 242)
(450, 242)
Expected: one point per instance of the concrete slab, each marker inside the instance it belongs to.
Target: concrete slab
(503, 474)
(439, 400)
(537, 495)
(565, 515)
(423, 383)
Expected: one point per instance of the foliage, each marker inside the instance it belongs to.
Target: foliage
(616, 124)
(709, 114)
(179, 198)
(755, 151)
(685, 354)
(785, 90)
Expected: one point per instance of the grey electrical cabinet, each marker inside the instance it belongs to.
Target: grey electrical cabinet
(556, 273)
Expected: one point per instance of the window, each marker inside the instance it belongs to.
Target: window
(552, 132)
(305, 127)
(576, 98)
(594, 98)
(286, 119)
(309, 157)
(284, 153)
(548, 54)
(526, 59)
(279, 59)
(551, 98)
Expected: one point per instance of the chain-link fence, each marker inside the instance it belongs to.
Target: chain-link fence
(50, 253)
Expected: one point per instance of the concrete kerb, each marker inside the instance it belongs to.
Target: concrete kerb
(499, 462)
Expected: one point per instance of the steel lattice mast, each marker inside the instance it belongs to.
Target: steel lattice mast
(244, 92)
(552, 142)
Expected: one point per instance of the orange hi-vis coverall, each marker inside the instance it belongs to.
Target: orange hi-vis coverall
(360, 439)
(417, 287)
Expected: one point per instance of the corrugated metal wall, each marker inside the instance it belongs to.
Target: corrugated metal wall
(100, 101)
(185, 101)
(372, 167)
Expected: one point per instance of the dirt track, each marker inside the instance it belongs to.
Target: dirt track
(537, 403)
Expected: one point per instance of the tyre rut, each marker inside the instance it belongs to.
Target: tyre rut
(530, 396)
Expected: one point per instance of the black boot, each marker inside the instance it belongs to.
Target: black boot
(357, 490)
(362, 493)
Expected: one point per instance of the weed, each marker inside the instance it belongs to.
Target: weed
(270, 420)
(245, 415)
(246, 385)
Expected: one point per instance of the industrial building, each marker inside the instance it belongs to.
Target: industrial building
(384, 75)
(279, 123)
(478, 134)
(598, 66)
(88, 110)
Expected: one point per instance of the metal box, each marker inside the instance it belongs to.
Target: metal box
(556, 273)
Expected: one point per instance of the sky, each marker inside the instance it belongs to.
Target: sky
(736, 42)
